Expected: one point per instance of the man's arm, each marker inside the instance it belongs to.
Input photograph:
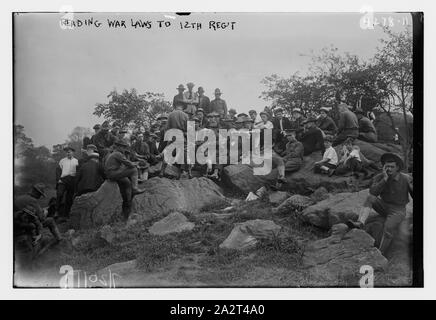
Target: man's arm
(122, 159)
(378, 184)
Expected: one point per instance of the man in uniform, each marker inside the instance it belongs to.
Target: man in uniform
(293, 155)
(191, 99)
(348, 125)
(179, 99)
(203, 101)
(388, 196)
(219, 105)
(125, 173)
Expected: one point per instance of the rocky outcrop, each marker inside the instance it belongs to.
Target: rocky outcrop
(339, 208)
(295, 202)
(173, 223)
(338, 259)
(305, 181)
(277, 197)
(162, 196)
(245, 235)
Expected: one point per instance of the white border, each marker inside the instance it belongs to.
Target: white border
(224, 6)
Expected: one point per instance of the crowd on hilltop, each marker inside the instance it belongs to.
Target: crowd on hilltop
(129, 158)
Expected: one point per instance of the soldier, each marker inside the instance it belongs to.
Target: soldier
(348, 125)
(29, 218)
(293, 155)
(389, 195)
(203, 101)
(219, 105)
(179, 99)
(191, 99)
(125, 173)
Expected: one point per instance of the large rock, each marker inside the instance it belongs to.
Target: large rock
(241, 177)
(277, 197)
(295, 202)
(338, 208)
(338, 259)
(174, 222)
(162, 196)
(245, 235)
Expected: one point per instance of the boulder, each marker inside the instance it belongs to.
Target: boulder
(295, 202)
(241, 178)
(162, 196)
(319, 194)
(277, 197)
(338, 259)
(173, 223)
(338, 208)
(107, 234)
(245, 235)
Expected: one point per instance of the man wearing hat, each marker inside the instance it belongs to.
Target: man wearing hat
(219, 105)
(367, 131)
(90, 175)
(388, 196)
(203, 101)
(201, 118)
(179, 99)
(155, 159)
(325, 123)
(28, 204)
(280, 124)
(104, 139)
(312, 138)
(232, 114)
(256, 119)
(297, 122)
(65, 185)
(293, 154)
(125, 173)
(191, 99)
(348, 125)
(89, 149)
(97, 129)
(178, 119)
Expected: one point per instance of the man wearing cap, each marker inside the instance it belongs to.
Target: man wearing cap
(191, 99)
(388, 196)
(125, 173)
(90, 148)
(293, 155)
(90, 175)
(219, 105)
(297, 122)
(97, 129)
(27, 206)
(312, 138)
(281, 124)
(103, 140)
(65, 185)
(348, 125)
(325, 123)
(203, 101)
(155, 159)
(179, 99)
(367, 131)
(232, 114)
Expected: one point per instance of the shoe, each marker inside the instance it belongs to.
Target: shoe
(354, 224)
(136, 191)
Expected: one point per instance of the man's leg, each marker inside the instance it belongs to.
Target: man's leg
(395, 215)
(126, 194)
(60, 191)
(51, 225)
(292, 165)
(69, 196)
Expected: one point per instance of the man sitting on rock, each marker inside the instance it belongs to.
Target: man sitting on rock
(367, 131)
(348, 125)
(125, 173)
(389, 195)
(312, 138)
(329, 160)
(293, 155)
(325, 123)
(351, 160)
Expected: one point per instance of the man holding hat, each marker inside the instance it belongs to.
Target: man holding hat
(367, 131)
(125, 173)
(191, 99)
(203, 101)
(325, 123)
(312, 138)
(219, 105)
(65, 185)
(90, 175)
(388, 196)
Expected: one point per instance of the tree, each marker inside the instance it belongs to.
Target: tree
(132, 109)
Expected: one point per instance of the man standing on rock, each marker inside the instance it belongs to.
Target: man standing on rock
(125, 173)
(191, 99)
(389, 195)
(219, 105)
(65, 182)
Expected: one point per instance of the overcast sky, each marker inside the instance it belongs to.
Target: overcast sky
(60, 74)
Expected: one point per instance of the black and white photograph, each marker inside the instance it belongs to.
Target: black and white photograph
(217, 150)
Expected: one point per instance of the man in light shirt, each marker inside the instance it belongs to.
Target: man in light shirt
(65, 182)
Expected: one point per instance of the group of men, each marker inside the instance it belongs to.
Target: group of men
(109, 154)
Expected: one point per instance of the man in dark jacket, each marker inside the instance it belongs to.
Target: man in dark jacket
(325, 123)
(312, 138)
(348, 125)
(280, 125)
(90, 175)
(125, 173)
(367, 131)
(388, 196)
(103, 140)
